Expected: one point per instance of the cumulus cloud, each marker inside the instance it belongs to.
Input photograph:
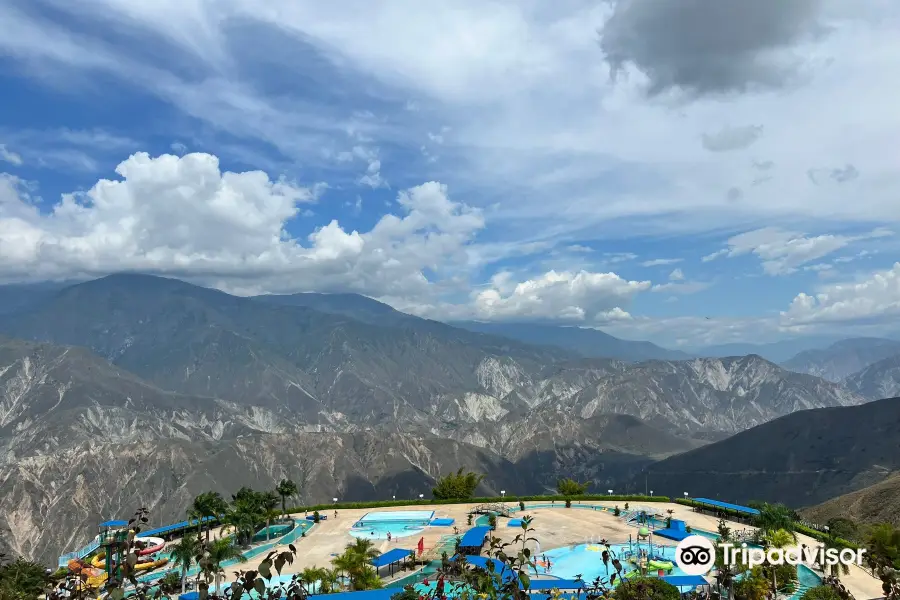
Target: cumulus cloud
(558, 296)
(783, 251)
(709, 46)
(876, 297)
(184, 216)
(731, 138)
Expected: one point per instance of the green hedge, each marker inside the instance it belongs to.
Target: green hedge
(508, 499)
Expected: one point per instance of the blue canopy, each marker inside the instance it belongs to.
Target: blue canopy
(735, 507)
(391, 556)
(672, 533)
(114, 524)
(559, 584)
(190, 596)
(175, 527)
(474, 537)
(681, 581)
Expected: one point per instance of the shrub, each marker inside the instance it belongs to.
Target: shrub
(568, 503)
(492, 521)
(821, 592)
(316, 517)
(616, 511)
(570, 487)
(646, 588)
(470, 518)
(521, 505)
(457, 485)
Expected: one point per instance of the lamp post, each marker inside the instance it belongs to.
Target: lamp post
(394, 497)
(651, 493)
(609, 492)
(421, 496)
(503, 494)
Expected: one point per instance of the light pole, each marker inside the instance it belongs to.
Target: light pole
(503, 494)
(651, 493)
(421, 496)
(394, 497)
(609, 492)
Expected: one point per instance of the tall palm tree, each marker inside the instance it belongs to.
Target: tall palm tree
(364, 548)
(286, 489)
(328, 581)
(310, 576)
(344, 564)
(209, 504)
(268, 501)
(243, 516)
(773, 517)
(183, 555)
(217, 552)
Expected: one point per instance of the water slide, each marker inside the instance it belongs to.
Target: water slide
(151, 545)
(95, 577)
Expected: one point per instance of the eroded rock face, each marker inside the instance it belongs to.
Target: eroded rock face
(169, 390)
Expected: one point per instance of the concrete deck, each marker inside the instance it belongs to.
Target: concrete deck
(553, 527)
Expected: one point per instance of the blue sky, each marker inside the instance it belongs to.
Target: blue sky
(580, 163)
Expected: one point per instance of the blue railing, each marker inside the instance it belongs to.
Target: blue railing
(79, 554)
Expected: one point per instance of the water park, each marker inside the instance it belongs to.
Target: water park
(578, 542)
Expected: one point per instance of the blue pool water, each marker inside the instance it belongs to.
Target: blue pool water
(585, 560)
(399, 523)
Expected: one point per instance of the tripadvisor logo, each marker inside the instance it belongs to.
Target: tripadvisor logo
(696, 555)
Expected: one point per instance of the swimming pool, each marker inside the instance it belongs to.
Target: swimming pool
(398, 523)
(585, 560)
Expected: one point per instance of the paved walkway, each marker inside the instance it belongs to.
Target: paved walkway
(553, 527)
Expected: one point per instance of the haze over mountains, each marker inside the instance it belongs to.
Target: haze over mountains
(135, 390)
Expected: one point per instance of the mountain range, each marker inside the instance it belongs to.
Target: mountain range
(136, 390)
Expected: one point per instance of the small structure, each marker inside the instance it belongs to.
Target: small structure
(390, 558)
(686, 583)
(472, 541)
(496, 508)
(112, 537)
(676, 531)
(721, 509)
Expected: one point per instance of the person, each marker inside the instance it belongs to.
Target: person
(335, 514)
(389, 536)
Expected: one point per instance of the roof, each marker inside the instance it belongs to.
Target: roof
(474, 537)
(685, 580)
(735, 507)
(382, 594)
(559, 584)
(389, 557)
(114, 523)
(175, 527)
(672, 534)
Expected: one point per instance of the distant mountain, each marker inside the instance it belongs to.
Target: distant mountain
(801, 459)
(590, 343)
(843, 358)
(878, 380)
(355, 306)
(82, 440)
(877, 503)
(776, 352)
(16, 296)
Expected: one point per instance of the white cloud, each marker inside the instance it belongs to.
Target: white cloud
(875, 298)
(676, 275)
(9, 156)
(230, 232)
(661, 262)
(558, 296)
(783, 252)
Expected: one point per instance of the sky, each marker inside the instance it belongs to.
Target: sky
(690, 172)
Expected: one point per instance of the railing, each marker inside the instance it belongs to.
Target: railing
(80, 553)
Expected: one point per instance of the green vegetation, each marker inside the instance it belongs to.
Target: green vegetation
(645, 588)
(457, 486)
(286, 489)
(570, 487)
(821, 592)
(21, 579)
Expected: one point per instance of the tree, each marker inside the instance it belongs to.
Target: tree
(286, 489)
(214, 554)
(268, 502)
(752, 586)
(208, 504)
(883, 558)
(183, 555)
(773, 517)
(821, 592)
(22, 579)
(459, 485)
(570, 487)
(646, 588)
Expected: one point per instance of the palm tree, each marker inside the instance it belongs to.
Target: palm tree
(328, 581)
(217, 552)
(268, 501)
(286, 489)
(343, 564)
(773, 517)
(183, 555)
(243, 516)
(209, 504)
(309, 577)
